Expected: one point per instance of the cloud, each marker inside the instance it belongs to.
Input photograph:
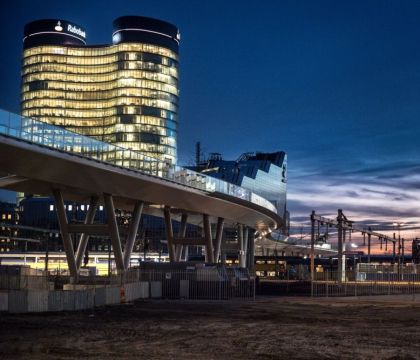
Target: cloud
(374, 196)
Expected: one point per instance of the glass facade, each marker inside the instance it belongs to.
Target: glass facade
(56, 137)
(124, 94)
(264, 174)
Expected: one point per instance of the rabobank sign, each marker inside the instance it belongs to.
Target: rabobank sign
(76, 30)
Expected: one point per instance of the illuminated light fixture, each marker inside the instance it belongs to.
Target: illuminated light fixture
(353, 245)
(58, 27)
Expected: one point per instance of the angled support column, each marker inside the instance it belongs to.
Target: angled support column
(251, 255)
(62, 221)
(113, 232)
(132, 233)
(209, 240)
(84, 238)
(241, 246)
(245, 236)
(169, 233)
(181, 234)
(218, 240)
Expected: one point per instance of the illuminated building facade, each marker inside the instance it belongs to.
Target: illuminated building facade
(125, 93)
(264, 174)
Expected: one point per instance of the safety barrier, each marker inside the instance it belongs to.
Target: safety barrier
(211, 283)
(139, 290)
(206, 283)
(365, 284)
(112, 295)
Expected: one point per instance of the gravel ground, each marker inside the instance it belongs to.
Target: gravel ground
(268, 328)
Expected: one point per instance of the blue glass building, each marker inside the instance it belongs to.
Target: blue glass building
(265, 174)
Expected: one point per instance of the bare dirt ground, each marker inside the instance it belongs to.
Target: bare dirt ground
(269, 328)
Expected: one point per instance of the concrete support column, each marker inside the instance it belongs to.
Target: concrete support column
(223, 250)
(218, 240)
(181, 234)
(251, 252)
(113, 232)
(242, 252)
(186, 247)
(169, 233)
(132, 233)
(209, 239)
(84, 237)
(245, 237)
(68, 245)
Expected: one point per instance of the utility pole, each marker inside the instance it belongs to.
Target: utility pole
(197, 153)
(340, 246)
(312, 251)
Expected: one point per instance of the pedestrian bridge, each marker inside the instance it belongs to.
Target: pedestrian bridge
(44, 159)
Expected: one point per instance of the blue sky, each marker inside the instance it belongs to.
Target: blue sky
(335, 84)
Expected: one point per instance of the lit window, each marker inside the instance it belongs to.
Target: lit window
(82, 207)
(9, 216)
(3, 216)
(101, 208)
(70, 207)
(51, 207)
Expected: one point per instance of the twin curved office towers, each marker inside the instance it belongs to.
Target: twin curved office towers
(124, 93)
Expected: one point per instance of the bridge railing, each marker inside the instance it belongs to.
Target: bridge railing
(59, 138)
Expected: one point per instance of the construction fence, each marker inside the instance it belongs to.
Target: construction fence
(207, 283)
(367, 280)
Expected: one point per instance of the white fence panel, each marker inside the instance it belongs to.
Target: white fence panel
(144, 290)
(55, 300)
(112, 295)
(100, 296)
(155, 289)
(68, 300)
(37, 300)
(4, 301)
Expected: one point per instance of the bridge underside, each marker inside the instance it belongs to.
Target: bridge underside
(40, 170)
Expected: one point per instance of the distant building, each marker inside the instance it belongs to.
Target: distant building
(265, 174)
(40, 212)
(8, 215)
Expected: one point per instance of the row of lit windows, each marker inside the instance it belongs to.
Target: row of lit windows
(110, 122)
(71, 83)
(102, 104)
(75, 113)
(101, 51)
(126, 133)
(137, 137)
(120, 135)
(74, 67)
(154, 148)
(108, 130)
(82, 207)
(82, 75)
(99, 95)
